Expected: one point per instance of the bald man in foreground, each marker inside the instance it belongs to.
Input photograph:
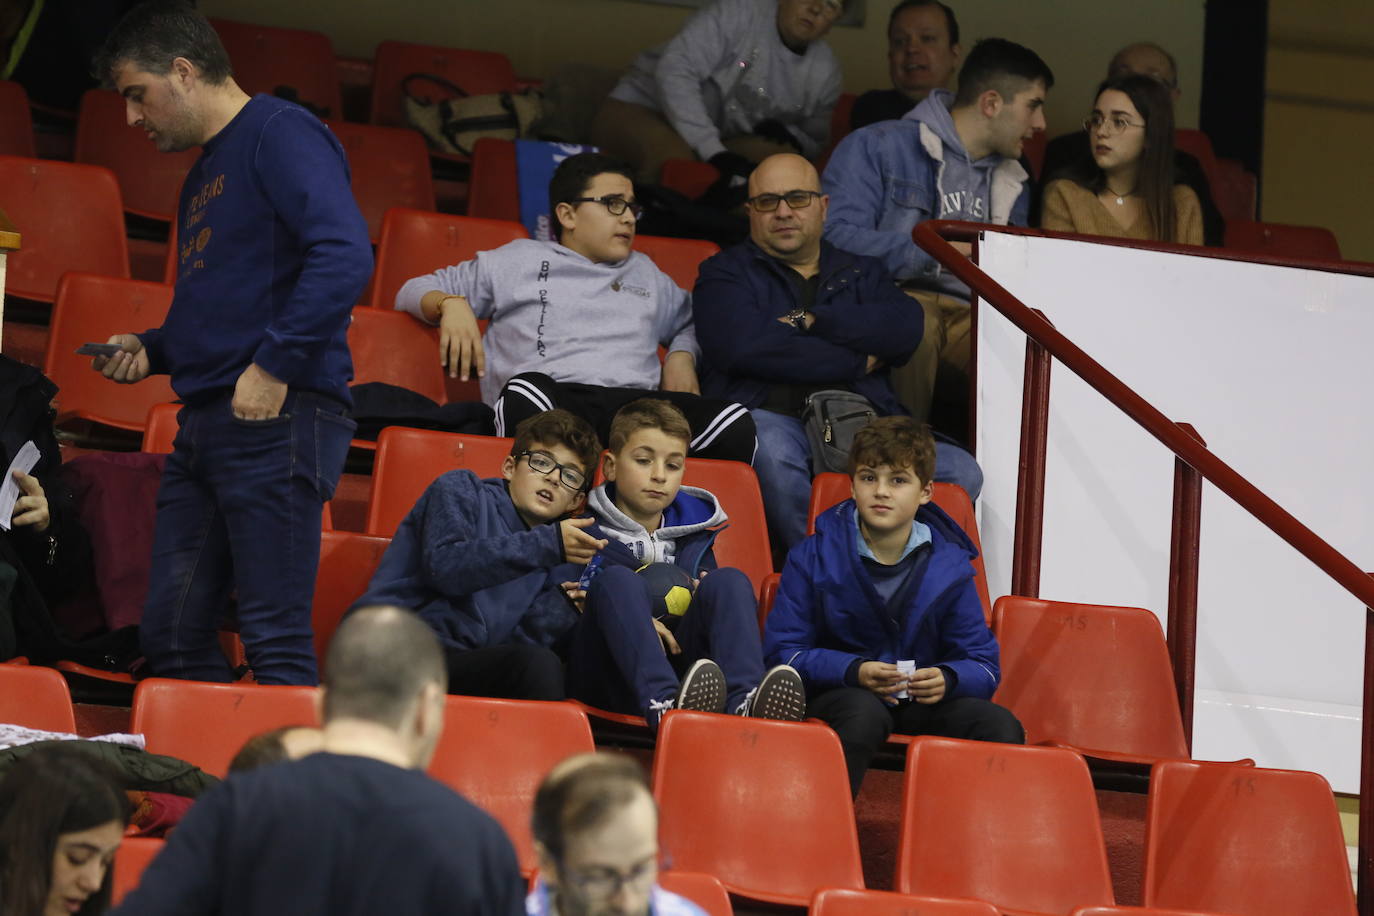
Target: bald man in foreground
(787, 314)
(355, 828)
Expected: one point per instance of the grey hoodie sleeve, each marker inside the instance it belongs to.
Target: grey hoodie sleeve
(688, 61)
(675, 328)
(469, 279)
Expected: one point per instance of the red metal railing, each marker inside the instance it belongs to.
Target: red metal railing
(1193, 463)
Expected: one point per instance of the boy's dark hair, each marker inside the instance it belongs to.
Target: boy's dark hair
(560, 427)
(950, 21)
(648, 413)
(898, 442)
(574, 176)
(157, 32)
(580, 793)
(1002, 66)
(379, 661)
(262, 749)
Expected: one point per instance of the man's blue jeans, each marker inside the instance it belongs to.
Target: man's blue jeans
(783, 466)
(238, 513)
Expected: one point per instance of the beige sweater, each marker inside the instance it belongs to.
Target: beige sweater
(1070, 207)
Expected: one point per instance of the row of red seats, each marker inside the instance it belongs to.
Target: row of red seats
(387, 346)
(764, 806)
(1094, 678)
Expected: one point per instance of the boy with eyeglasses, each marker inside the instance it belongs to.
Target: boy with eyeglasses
(697, 649)
(786, 314)
(576, 323)
(482, 561)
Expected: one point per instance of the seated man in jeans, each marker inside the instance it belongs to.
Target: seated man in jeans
(786, 314)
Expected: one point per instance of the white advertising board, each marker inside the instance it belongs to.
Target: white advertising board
(1272, 366)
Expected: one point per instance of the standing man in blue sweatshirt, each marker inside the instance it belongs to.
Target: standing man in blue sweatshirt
(355, 827)
(786, 314)
(704, 656)
(576, 323)
(950, 157)
(879, 613)
(272, 253)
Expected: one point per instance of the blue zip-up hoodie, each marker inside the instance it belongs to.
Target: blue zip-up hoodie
(272, 254)
(740, 294)
(684, 537)
(887, 177)
(468, 564)
(828, 616)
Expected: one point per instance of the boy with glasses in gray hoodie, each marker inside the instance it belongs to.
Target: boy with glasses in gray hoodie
(576, 323)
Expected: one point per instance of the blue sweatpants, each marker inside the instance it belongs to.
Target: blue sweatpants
(616, 660)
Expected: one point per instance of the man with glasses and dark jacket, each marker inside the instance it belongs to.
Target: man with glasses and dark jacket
(786, 314)
(576, 323)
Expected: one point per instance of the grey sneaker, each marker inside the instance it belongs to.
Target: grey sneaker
(703, 687)
(780, 695)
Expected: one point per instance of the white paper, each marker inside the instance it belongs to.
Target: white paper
(9, 489)
(906, 668)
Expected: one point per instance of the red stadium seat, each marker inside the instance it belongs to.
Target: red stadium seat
(206, 724)
(160, 429)
(416, 242)
(840, 117)
(16, 122)
(1015, 826)
(494, 191)
(831, 489)
(1244, 840)
(767, 594)
(1135, 911)
(266, 58)
(149, 181)
(688, 176)
(134, 855)
(71, 217)
(347, 561)
(762, 805)
(496, 752)
(1198, 145)
(90, 308)
(475, 72)
(390, 168)
(409, 460)
(1283, 240)
(35, 697)
(1093, 678)
(1234, 190)
(705, 891)
(678, 258)
(836, 901)
(394, 348)
(743, 543)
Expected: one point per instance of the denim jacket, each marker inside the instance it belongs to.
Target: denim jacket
(886, 178)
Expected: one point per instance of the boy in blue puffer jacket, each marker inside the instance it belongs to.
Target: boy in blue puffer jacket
(707, 656)
(878, 610)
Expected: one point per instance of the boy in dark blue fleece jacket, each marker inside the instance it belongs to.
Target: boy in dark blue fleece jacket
(482, 561)
(879, 613)
(706, 657)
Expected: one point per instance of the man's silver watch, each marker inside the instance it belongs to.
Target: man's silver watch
(797, 318)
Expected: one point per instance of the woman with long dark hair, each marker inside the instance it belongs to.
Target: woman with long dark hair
(62, 816)
(1124, 185)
